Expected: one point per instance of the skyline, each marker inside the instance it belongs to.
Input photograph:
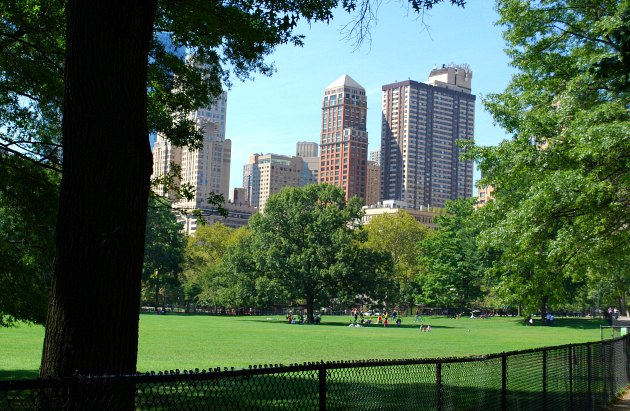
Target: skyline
(271, 114)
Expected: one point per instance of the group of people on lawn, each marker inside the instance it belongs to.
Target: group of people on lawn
(300, 319)
(359, 318)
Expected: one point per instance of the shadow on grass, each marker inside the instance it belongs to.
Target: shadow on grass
(577, 323)
(18, 374)
(325, 323)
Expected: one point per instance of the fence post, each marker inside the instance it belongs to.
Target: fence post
(322, 387)
(504, 382)
(544, 379)
(438, 386)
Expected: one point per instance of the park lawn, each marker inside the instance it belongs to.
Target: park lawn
(171, 341)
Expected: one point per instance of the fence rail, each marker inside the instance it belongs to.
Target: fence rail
(569, 377)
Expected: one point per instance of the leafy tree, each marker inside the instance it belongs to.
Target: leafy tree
(400, 235)
(204, 278)
(96, 74)
(561, 183)
(454, 264)
(31, 78)
(163, 251)
(308, 242)
(26, 239)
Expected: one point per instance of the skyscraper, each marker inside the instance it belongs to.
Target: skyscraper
(421, 122)
(344, 138)
(207, 169)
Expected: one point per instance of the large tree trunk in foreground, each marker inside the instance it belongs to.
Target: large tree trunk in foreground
(92, 324)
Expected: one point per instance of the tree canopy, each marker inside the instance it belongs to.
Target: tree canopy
(93, 79)
(307, 242)
(163, 253)
(454, 264)
(400, 235)
(561, 183)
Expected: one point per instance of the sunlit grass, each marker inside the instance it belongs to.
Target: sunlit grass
(174, 341)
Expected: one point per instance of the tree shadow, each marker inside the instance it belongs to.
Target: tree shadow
(576, 323)
(18, 374)
(324, 323)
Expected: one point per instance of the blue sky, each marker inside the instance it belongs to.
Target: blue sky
(270, 114)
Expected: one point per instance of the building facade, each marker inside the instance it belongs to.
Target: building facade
(372, 183)
(238, 216)
(306, 149)
(421, 123)
(375, 156)
(484, 194)
(424, 215)
(310, 154)
(267, 174)
(344, 137)
(206, 170)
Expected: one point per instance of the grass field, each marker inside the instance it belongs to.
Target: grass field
(194, 341)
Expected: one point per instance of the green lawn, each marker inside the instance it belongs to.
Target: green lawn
(194, 341)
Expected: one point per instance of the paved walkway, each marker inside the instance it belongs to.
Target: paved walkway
(621, 404)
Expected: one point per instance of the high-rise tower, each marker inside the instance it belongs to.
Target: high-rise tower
(207, 169)
(421, 122)
(344, 138)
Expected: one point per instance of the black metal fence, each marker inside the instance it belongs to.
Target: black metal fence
(570, 377)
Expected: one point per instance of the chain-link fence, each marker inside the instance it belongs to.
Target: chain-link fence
(570, 377)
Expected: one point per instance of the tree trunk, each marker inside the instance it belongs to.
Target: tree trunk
(623, 308)
(310, 308)
(92, 323)
(156, 301)
(543, 308)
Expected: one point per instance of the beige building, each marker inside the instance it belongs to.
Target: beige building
(267, 174)
(420, 162)
(206, 170)
(484, 194)
(424, 215)
(238, 196)
(373, 183)
(238, 216)
(165, 155)
(375, 156)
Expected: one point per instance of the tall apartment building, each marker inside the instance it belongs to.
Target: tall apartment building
(266, 174)
(372, 183)
(164, 155)
(421, 121)
(207, 169)
(310, 154)
(344, 137)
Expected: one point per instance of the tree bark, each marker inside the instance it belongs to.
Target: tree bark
(92, 323)
(310, 308)
(543, 308)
